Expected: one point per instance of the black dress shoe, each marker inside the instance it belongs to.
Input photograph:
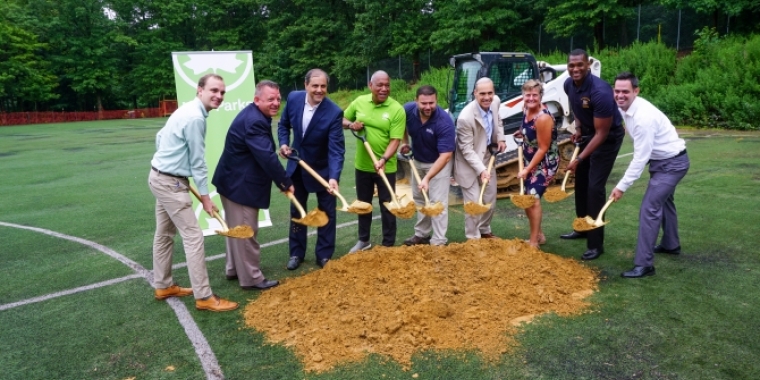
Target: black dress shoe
(592, 254)
(322, 262)
(638, 271)
(660, 249)
(266, 284)
(294, 262)
(230, 278)
(573, 235)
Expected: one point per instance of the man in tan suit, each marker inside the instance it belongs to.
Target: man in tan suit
(478, 126)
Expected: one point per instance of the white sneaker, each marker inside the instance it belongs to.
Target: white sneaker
(361, 246)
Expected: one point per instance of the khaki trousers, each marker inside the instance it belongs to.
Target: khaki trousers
(438, 192)
(243, 255)
(174, 212)
(474, 225)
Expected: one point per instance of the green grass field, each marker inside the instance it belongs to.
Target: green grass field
(696, 319)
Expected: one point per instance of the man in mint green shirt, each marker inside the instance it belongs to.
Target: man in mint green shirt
(383, 120)
(180, 147)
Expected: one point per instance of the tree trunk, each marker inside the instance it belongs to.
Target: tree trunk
(623, 32)
(416, 67)
(599, 34)
(100, 108)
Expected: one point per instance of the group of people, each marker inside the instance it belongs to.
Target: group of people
(311, 126)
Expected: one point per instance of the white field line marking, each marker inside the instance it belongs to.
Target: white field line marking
(200, 344)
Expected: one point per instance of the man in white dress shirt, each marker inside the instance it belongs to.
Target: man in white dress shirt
(655, 141)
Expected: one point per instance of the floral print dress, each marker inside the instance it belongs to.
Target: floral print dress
(543, 174)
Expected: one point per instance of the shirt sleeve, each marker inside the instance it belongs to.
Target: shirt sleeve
(284, 127)
(350, 112)
(603, 101)
(643, 140)
(447, 137)
(195, 135)
(398, 124)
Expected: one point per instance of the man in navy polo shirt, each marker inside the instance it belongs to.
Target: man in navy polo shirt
(433, 141)
(599, 129)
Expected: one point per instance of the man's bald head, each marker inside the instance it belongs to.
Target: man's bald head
(380, 85)
(484, 92)
(484, 81)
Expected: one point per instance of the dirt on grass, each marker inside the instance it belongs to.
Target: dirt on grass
(399, 301)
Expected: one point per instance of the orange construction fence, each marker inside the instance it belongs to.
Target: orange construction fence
(21, 118)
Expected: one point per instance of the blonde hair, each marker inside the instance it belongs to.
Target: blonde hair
(531, 84)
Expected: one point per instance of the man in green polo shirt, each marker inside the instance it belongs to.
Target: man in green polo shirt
(383, 120)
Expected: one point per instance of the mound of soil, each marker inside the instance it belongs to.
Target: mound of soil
(401, 300)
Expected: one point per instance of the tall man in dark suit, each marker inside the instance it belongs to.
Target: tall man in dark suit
(599, 129)
(318, 137)
(243, 179)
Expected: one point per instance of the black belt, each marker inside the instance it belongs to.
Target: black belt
(168, 174)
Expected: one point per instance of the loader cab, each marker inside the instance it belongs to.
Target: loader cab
(508, 71)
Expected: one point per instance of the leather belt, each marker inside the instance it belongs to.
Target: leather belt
(167, 174)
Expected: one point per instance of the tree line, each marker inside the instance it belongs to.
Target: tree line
(115, 54)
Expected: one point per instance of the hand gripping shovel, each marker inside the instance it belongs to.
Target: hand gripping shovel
(522, 201)
(394, 207)
(553, 195)
(240, 232)
(315, 218)
(588, 224)
(428, 209)
(473, 208)
(356, 207)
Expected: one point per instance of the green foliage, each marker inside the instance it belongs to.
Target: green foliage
(24, 77)
(474, 25)
(651, 62)
(565, 18)
(717, 86)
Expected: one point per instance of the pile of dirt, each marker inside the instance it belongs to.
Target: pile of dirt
(555, 194)
(473, 208)
(406, 211)
(584, 224)
(402, 300)
(434, 209)
(523, 201)
(243, 231)
(314, 218)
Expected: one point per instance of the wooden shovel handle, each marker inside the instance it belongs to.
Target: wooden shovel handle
(295, 203)
(214, 213)
(599, 220)
(520, 166)
(567, 172)
(382, 174)
(490, 167)
(322, 181)
(417, 177)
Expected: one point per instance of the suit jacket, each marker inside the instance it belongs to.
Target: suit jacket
(322, 147)
(471, 157)
(249, 164)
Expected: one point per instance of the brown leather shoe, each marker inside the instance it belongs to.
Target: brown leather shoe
(172, 291)
(215, 303)
(488, 236)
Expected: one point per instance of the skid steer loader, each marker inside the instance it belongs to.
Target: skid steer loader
(509, 71)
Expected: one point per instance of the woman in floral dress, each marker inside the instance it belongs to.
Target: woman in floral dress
(541, 156)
